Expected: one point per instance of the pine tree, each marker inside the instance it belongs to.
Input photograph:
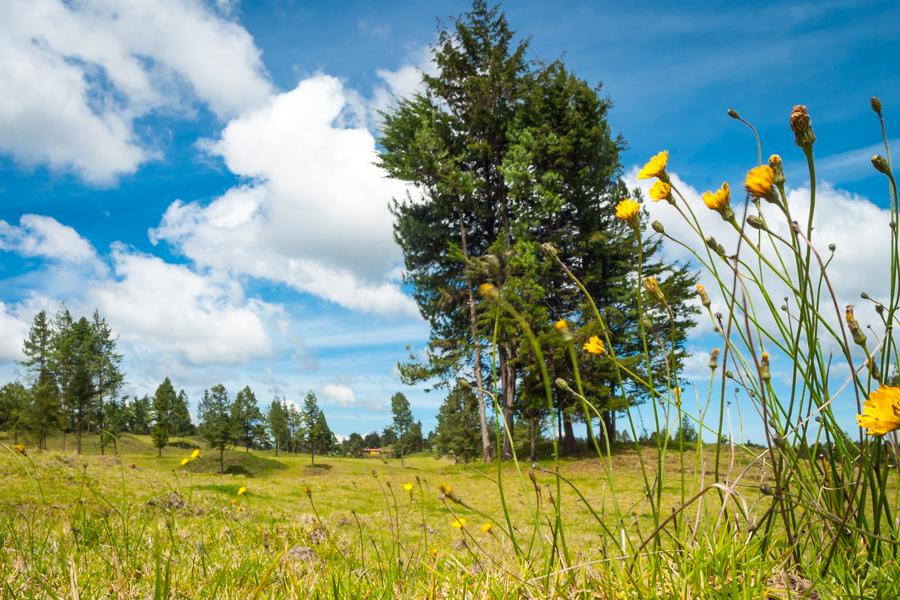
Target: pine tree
(245, 418)
(278, 424)
(215, 420)
(402, 423)
(42, 413)
(311, 420)
(108, 376)
(457, 425)
(139, 414)
(14, 403)
(180, 417)
(163, 400)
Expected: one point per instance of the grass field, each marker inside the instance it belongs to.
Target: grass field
(137, 525)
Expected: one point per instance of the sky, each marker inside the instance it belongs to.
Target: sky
(204, 174)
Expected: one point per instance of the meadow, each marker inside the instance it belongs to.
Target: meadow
(137, 525)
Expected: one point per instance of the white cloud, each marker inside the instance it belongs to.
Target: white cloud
(78, 74)
(172, 309)
(340, 395)
(45, 237)
(313, 213)
(12, 334)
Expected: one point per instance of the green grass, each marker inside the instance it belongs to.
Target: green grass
(134, 525)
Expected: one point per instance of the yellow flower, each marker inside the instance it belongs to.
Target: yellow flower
(720, 201)
(459, 522)
(185, 461)
(661, 191)
(487, 527)
(446, 490)
(408, 487)
(595, 345)
(561, 325)
(488, 290)
(308, 491)
(241, 491)
(881, 411)
(627, 210)
(655, 167)
(759, 181)
(704, 297)
(433, 552)
(195, 454)
(232, 501)
(20, 449)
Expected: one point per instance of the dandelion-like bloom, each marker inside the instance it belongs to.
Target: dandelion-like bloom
(801, 125)
(307, 491)
(459, 522)
(408, 487)
(241, 491)
(720, 201)
(881, 411)
(487, 527)
(759, 182)
(704, 297)
(656, 167)
(595, 345)
(652, 287)
(185, 461)
(433, 552)
(195, 454)
(627, 210)
(20, 449)
(661, 191)
(446, 490)
(488, 290)
(561, 325)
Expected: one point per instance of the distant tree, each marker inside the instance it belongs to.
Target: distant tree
(82, 388)
(163, 401)
(388, 437)
(278, 424)
(372, 440)
(353, 445)
(105, 366)
(245, 418)
(318, 435)
(14, 403)
(457, 430)
(180, 423)
(63, 367)
(42, 413)
(403, 421)
(296, 428)
(115, 420)
(686, 432)
(215, 421)
(139, 414)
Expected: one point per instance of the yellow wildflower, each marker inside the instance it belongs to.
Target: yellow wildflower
(20, 449)
(232, 501)
(241, 491)
(661, 191)
(656, 167)
(487, 527)
(595, 345)
(408, 487)
(446, 490)
(627, 210)
(720, 201)
(759, 182)
(488, 290)
(308, 491)
(195, 454)
(704, 297)
(459, 522)
(881, 411)
(561, 325)
(185, 461)
(433, 552)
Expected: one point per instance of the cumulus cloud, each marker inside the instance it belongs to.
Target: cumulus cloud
(45, 237)
(84, 71)
(312, 212)
(12, 334)
(340, 395)
(171, 308)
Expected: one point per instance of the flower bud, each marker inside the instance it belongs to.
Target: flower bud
(832, 247)
(801, 125)
(766, 489)
(778, 168)
(562, 384)
(563, 328)
(881, 165)
(733, 114)
(876, 105)
(765, 372)
(652, 287)
(756, 222)
(714, 359)
(658, 227)
(549, 250)
(704, 297)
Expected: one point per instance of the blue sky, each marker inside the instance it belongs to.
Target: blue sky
(202, 171)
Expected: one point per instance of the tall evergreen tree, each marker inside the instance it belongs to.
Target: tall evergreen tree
(402, 423)
(278, 424)
(180, 423)
(456, 431)
(107, 375)
(215, 420)
(139, 415)
(14, 403)
(163, 400)
(246, 418)
(42, 414)
(318, 435)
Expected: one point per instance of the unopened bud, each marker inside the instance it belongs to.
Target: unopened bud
(876, 105)
(676, 393)
(704, 297)
(766, 489)
(756, 222)
(880, 164)
(801, 125)
(733, 114)
(858, 336)
(864, 296)
(658, 227)
(832, 247)
(765, 372)
(778, 168)
(548, 249)
(652, 287)
(562, 384)
(714, 359)
(729, 374)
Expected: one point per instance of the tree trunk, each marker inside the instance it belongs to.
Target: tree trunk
(569, 433)
(276, 447)
(159, 451)
(312, 454)
(476, 349)
(532, 437)
(78, 426)
(609, 424)
(589, 433)
(222, 459)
